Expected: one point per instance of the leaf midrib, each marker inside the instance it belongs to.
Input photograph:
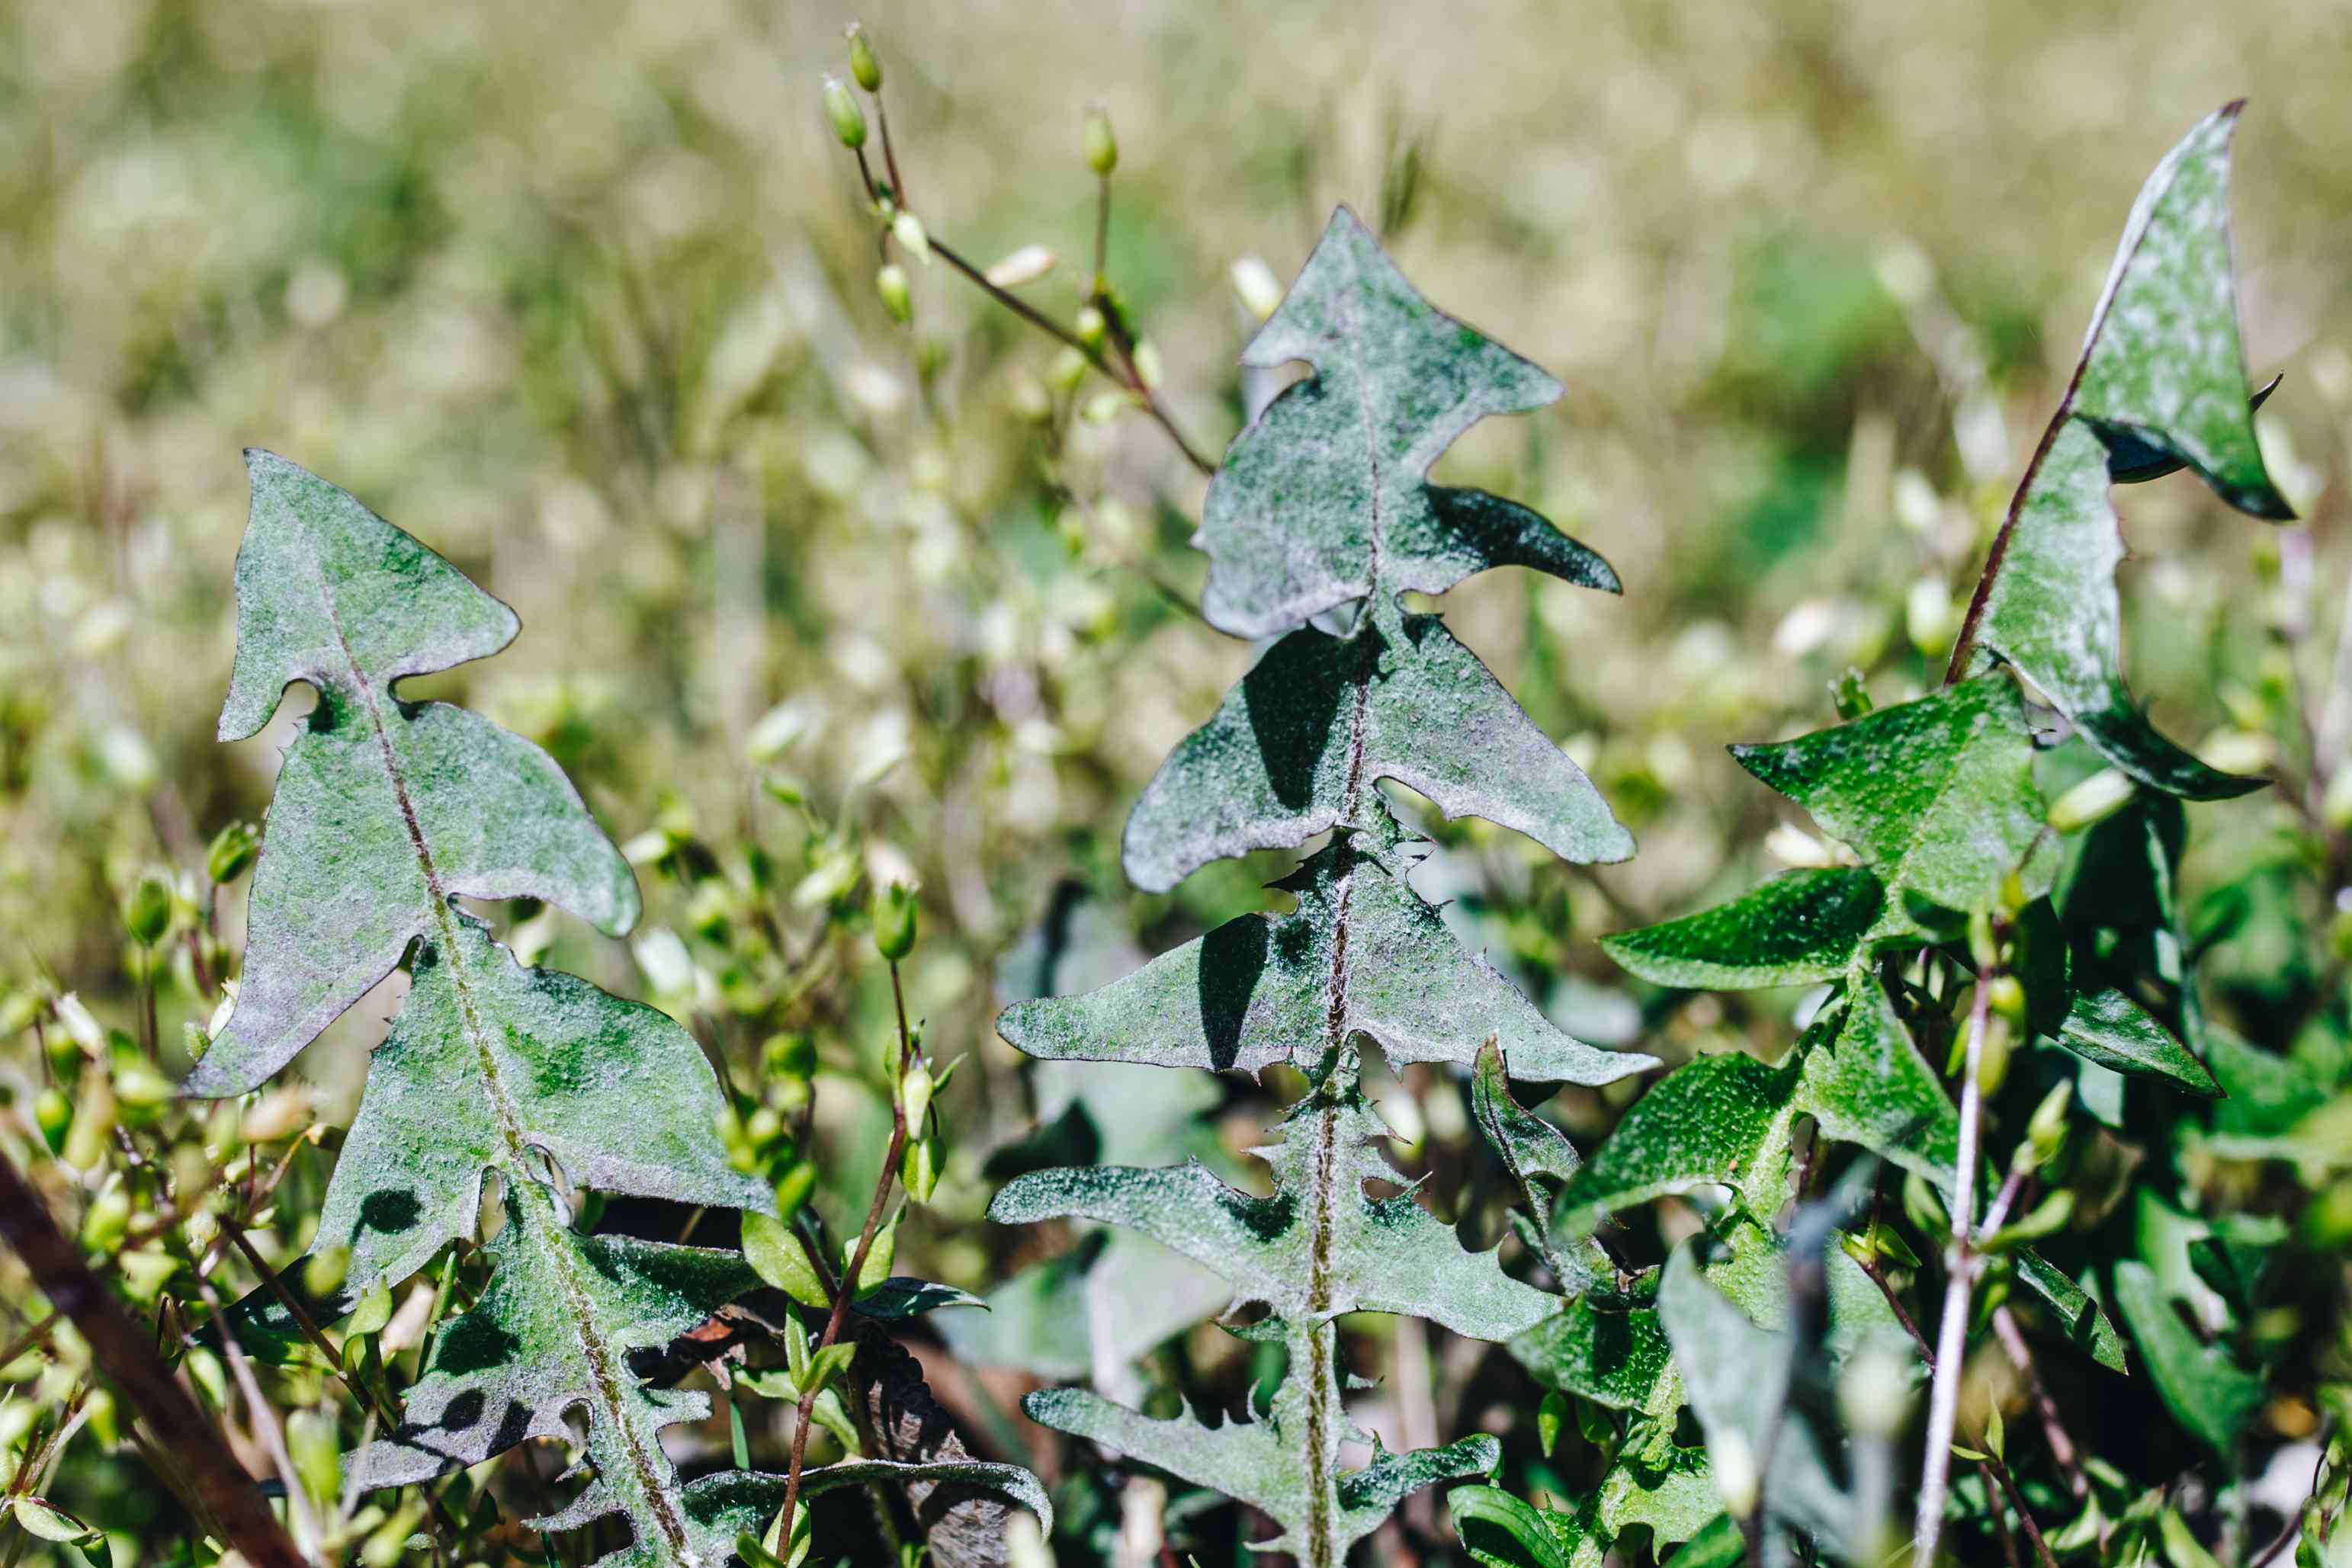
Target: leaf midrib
(599, 1354)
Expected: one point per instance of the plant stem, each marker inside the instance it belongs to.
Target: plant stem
(263, 1417)
(848, 1288)
(121, 1349)
(1959, 1263)
(2053, 1425)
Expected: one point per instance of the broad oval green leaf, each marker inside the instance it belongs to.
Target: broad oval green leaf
(2110, 1028)
(1795, 928)
(1935, 795)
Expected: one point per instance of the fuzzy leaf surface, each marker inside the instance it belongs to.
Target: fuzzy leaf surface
(384, 811)
(1382, 1255)
(1290, 751)
(1936, 795)
(1368, 1254)
(1791, 929)
(2162, 363)
(1325, 498)
(2052, 610)
(486, 1055)
(719, 1509)
(554, 1330)
(1259, 990)
(2110, 1028)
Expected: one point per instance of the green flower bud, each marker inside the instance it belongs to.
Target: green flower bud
(841, 107)
(1091, 327)
(918, 1168)
(915, 1095)
(53, 1113)
(777, 1255)
(1147, 364)
(792, 1192)
(891, 283)
(232, 850)
(2094, 800)
(863, 65)
(1102, 146)
(147, 913)
(1070, 368)
(909, 231)
(894, 921)
(105, 1222)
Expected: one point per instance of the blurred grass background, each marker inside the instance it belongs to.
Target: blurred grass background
(583, 297)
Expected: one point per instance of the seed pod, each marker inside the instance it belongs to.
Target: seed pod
(2094, 800)
(1091, 327)
(915, 1095)
(891, 283)
(147, 911)
(918, 1168)
(1147, 364)
(863, 64)
(1256, 285)
(231, 850)
(909, 231)
(1102, 146)
(53, 1113)
(1022, 267)
(894, 921)
(1070, 368)
(841, 107)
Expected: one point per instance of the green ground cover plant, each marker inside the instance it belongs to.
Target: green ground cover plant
(1362, 1155)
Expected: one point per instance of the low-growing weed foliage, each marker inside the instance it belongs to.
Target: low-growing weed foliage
(2002, 1235)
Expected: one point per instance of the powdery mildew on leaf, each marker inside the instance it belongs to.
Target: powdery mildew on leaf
(1325, 499)
(385, 812)
(1288, 753)
(1257, 990)
(2162, 376)
(1324, 502)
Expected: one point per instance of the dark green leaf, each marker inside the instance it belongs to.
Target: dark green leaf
(1500, 1532)
(2110, 1028)
(1936, 795)
(1865, 1083)
(2203, 1384)
(1798, 927)
(1719, 1119)
(2080, 1318)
